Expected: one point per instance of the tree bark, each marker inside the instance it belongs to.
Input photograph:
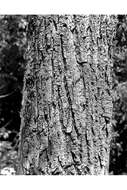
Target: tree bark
(67, 101)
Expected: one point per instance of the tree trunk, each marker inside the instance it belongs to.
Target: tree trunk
(67, 102)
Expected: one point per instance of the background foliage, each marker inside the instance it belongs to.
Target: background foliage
(13, 41)
(118, 155)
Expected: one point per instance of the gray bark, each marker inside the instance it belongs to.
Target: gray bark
(67, 101)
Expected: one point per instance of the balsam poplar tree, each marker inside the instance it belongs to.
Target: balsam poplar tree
(67, 96)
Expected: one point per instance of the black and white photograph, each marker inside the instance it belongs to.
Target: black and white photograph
(63, 94)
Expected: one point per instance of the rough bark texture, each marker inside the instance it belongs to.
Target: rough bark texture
(67, 101)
